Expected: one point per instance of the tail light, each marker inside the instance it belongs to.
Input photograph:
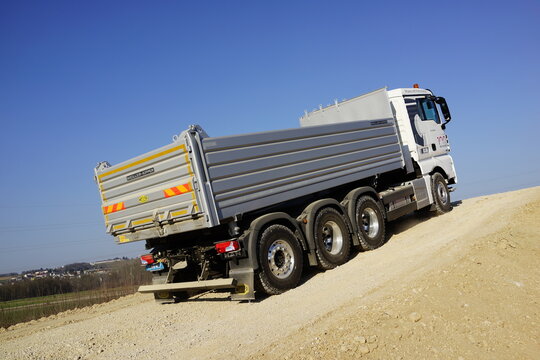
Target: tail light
(147, 259)
(227, 246)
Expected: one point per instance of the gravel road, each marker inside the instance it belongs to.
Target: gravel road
(459, 286)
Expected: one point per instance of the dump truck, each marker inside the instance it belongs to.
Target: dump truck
(246, 214)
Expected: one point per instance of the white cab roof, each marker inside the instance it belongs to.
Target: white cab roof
(408, 91)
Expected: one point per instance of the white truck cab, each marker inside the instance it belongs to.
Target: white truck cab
(421, 126)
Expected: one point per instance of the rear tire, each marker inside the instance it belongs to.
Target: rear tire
(370, 222)
(332, 239)
(441, 195)
(280, 260)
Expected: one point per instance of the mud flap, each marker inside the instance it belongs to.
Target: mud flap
(244, 277)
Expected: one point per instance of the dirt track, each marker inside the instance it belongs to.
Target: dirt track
(465, 285)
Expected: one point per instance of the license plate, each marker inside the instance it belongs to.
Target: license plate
(155, 267)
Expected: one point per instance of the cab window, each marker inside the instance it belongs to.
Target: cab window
(427, 110)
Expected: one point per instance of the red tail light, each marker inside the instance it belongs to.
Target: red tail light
(147, 259)
(227, 246)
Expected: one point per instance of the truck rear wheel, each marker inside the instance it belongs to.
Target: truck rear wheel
(441, 195)
(280, 260)
(332, 238)
(370, 222)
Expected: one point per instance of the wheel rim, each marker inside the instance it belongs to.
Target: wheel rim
(370, 222)
(281, 259)
(332, 237)
(442, 193)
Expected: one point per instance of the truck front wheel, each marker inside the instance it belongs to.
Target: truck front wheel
(441, 195)
(280, 260)
(370, 222)
(332, 238)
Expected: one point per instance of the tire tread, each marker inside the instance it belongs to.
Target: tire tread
(364, 245)
(322, 262)
(438, 208)
(262, 281)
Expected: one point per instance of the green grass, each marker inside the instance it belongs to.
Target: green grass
(16, 311)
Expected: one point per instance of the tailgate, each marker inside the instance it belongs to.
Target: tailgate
(152, 195)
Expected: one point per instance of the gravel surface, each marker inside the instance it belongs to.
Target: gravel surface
(459, 286)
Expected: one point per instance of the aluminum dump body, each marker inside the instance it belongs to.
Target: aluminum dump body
(253, 171)
(210, 180)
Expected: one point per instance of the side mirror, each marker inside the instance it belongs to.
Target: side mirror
(444, 109)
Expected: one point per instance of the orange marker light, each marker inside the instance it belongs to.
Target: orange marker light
(415, 86)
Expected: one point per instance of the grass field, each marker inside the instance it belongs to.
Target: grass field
(16, 311)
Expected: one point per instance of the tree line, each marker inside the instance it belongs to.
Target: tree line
(121, 274)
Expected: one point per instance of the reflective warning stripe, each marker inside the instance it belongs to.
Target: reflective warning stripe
(138, 162)
(177, 190)
(179, 213)
(113, 208)
(142, 221)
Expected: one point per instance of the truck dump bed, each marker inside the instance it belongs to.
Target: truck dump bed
(252, 171)
(200, 181)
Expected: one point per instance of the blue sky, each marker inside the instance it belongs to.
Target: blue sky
(82, 82)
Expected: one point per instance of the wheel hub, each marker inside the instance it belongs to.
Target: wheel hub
(370, 222)
(280, 259)
(441, 192)
(332, 237)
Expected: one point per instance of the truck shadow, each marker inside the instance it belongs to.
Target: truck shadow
(200, 298)
(406, 222)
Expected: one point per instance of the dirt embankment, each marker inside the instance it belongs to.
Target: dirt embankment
(465, 285)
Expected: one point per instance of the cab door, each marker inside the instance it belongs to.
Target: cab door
(427, 127)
